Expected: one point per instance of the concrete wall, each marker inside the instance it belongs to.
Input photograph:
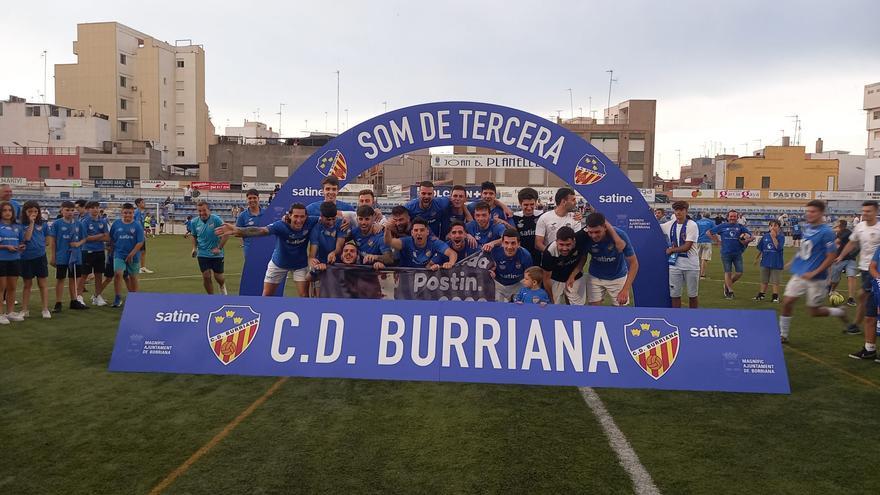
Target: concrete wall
(227, 162)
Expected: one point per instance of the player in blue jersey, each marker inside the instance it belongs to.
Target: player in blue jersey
(733, 238)
(249, 216)
(770, 254)
(613, 262)
(97, 232)
(796, 232)
(325, 243)
(65, 238)
(292, 235)
(33, 259)
(188, 226)
(418, 249)
(531, 292)
(11, 241)
(126, 238)
(371, 245)
(330, 189)
(458, 242)
(704, 242)
(809, 270)
(429, 208)
(140, 214)
(458, 208)
(499, 212)
(511, 261)
(207, 246)
(483, 228)
(6, 195)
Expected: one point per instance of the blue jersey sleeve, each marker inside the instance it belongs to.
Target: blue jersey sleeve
(744, 230)
(140, 233)
(716, 228)
(439, 246)
(277, 227)
(525, 258)
(628, 248)
(50, 231)
(828, 238)
(443, 203)
(781, 239)
(240, 221)
(876, 257)
(499, 229)
(519, 297)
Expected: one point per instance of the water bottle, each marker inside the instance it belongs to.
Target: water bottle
(673, 257)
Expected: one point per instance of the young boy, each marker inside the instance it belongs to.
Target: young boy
(532, 293)
(770, 254)
(126, 239)
(96, 233)
(65, 236)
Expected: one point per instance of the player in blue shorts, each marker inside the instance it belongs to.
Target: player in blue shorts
(97, 232)
(11, 239)
(770, 253)
(325, 243)
(126, 239)
(613, 262)
(531, 292)
(733, 238)
(809, 270)
(208, 247)
(292, 234)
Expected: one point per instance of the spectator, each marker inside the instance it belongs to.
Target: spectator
(770, 255)
(848, 264)
(684, 263)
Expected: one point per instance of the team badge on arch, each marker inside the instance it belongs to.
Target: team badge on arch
(332, 162)
(653, 343)
(589, 170)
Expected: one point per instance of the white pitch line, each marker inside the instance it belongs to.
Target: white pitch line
(641, 479)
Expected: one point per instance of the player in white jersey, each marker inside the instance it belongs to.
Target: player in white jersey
(866, 238)
(809, 270)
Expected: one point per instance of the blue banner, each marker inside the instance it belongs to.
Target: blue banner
(596, 178)
(657, 348)
(472, 192)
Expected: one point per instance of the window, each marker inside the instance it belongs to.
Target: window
(32, 111)
(635, 156)
(122, 58)
(140, 43)
(180, 64)
(224, 166)
(876, 133)
(470, 175)
(96, 172)
(164, 81)
(876, 114)
(53, 111)
(536, 176)
(765, 182)
(178, 85)
(179, 108)
(7, 170)
(471, 149)
(58, 167)
(877, 182)
(1, 109)
(123, 104)
(249, 171)
(181, 153)
(164, 103)
(636, 175)
(164, 127)
(57, 137)
(500, 175)
(122, 81)
(70, 171)
(123, 126)
(740, 181)
(179, 130)
(132, 172)
(281, 172)
(44, 172)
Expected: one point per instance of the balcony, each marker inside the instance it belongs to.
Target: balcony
(38, 150)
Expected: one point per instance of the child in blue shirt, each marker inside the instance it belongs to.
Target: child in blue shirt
(532, 292)
(770, 249)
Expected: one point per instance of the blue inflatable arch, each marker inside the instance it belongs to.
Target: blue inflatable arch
(512, 131)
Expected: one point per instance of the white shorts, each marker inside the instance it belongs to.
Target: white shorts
(275, 274)
(678, 278)
(504, 293)
(704, 249)
(577, 295)
(815, 290)
(599, 287)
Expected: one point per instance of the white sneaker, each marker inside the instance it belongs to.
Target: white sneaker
(14, 317)
(26, 313)
(3, 320)
(223, 290)
(143, 270)
(146, 270)
(99, 301)
(80, 299)
(47, 314)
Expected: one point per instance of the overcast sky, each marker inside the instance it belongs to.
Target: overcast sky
(727, 73)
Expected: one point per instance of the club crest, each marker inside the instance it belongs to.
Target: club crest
(589, 170)
(332, 162)
(653, 343)
(231, 329)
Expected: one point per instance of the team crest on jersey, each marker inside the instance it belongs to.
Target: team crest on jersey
(589, 170)
(231, 329)
(653, 343)
(332, 162)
